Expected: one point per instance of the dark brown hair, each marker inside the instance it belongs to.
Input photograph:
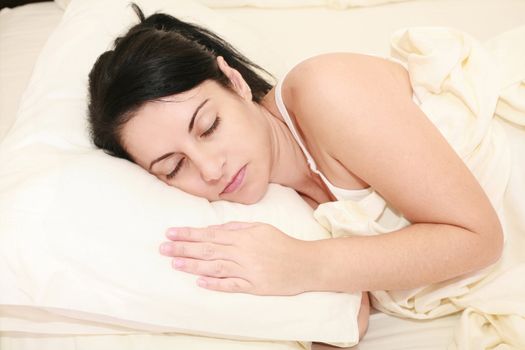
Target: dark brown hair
(161, 56)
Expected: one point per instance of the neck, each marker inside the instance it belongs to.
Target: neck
(288, 163)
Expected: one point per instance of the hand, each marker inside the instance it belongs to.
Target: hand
(240, 257)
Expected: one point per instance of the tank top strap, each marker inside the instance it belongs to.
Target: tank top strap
(288, 120)
(339, 193)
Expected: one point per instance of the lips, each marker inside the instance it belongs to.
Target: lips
(236, 181)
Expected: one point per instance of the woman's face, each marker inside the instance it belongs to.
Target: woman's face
(210, 141)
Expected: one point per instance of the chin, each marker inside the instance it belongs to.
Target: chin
(250, 201)
(258, 195)
(251, 197)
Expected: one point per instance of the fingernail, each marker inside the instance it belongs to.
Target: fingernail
(172, 232)
(178, 263)
(165, 248)
(202, 283)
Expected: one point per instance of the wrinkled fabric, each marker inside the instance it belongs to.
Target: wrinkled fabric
(475, 95)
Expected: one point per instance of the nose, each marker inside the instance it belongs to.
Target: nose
(211, 167)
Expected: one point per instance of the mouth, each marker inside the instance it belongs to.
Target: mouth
(236, 181)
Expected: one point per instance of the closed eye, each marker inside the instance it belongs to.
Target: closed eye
(176, 170)
(204, 134)
(212, 127)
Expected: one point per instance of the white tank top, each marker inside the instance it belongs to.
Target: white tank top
(338, 192)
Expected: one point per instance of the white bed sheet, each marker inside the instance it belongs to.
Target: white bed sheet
(299, 33)
(385, 332)
(312, 31)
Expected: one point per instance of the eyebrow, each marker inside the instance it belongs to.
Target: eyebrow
(190, 128)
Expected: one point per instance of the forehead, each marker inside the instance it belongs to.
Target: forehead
(145, 135)
(181, 105)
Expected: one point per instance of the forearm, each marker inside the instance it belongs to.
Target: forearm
(417, 255)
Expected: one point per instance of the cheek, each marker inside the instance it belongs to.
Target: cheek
(192, 184)
(252, 134)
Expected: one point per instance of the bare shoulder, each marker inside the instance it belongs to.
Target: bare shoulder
(360, 109)
(318, 88)
(335, 96)
(343, 60)
(351, 72)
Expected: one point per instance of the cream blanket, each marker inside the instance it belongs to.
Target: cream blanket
(475, 95)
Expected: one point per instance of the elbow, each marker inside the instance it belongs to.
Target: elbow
(497, 247)
(493, 241)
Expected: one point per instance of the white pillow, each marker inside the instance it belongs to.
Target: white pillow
(63, 4)
(80, 230)
(332, 4)
(23, 33)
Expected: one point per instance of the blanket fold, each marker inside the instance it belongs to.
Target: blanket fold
(475, 95)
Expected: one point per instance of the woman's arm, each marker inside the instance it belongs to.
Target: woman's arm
(360, 108)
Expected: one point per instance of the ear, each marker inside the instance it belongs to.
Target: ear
(238, 83)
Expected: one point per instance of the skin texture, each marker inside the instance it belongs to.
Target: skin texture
(357, 118)
(210, 160)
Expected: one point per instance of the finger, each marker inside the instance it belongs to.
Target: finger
(196, 250)
(236, 225)
(215, 268)
(229, 285)
(215, 226)
(233, 225)
(200, 234)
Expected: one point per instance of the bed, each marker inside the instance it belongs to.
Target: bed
(314, 29)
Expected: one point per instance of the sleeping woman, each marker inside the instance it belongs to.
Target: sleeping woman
(183, 104)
